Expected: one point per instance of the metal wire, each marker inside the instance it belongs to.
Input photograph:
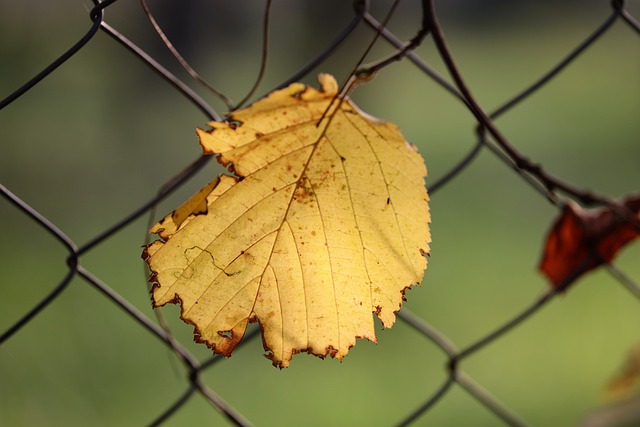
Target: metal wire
(431, 29)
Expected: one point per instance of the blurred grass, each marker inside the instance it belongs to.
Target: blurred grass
(99, 137)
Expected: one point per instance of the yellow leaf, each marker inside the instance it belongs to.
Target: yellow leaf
(325, 224)
(628, 379)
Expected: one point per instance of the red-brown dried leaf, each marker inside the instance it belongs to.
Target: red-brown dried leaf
(583, 239)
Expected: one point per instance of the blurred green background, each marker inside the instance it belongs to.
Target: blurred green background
(99, 136)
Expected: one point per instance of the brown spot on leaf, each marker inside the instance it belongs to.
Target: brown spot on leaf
(304, 192)
(229, 207)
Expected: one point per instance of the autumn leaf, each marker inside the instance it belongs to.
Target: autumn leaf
(581, 240)
(622, 396)
(325, 223)
(628, 379)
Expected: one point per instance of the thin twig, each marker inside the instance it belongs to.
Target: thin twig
(186, 357)
(185, 90)
(183, 62)
(173, 185)
(537, 185)
(550, 182)
(352, 80)
(413, 57)
(408, 47)
(162, 321)
(264, 58)
(361, 7)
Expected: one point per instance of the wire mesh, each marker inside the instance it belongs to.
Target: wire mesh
(417, 369)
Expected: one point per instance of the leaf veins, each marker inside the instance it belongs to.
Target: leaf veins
(324, 224)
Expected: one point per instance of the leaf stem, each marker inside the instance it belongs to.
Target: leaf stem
(404, 50)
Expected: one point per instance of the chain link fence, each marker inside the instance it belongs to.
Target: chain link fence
(482, 342)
